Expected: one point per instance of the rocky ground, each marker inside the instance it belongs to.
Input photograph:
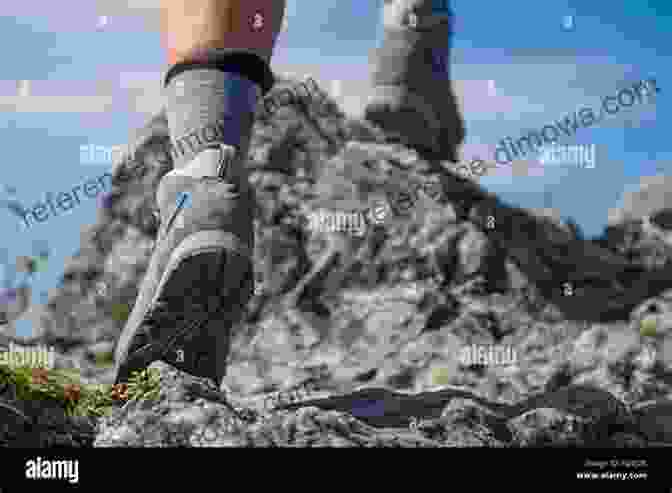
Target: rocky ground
(357, 341)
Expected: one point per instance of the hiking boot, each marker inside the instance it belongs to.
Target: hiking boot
(200, 276)
(413, 98)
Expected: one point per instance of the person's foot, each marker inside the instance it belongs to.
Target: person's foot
(200, 276)
(413, 98)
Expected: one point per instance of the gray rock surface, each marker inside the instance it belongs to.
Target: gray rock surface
(356, 341)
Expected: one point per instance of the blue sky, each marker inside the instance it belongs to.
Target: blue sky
(95, 80)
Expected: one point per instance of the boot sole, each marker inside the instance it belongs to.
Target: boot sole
(208, 265)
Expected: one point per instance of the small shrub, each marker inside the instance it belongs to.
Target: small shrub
(104, 359)
(648, 327)
(440, 376)
(144, 385)
(77, 399)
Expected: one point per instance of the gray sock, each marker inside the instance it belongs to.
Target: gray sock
(206, 107)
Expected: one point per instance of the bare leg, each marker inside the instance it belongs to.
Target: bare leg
(190, 26)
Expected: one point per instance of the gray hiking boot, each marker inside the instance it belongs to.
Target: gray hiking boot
(413, 98)
(200, 276)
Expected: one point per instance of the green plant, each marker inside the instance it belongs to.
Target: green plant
(144, 385)
(96, 401)
(78, 399)
(104, 359)
(31, 383)
(120, 312)
(440, 376)
(648, 327)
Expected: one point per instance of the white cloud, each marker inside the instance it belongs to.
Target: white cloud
(126, 7)
(147, 10)
(23, 88)
(102, 21)
(135, 80)
(143, 91)
(137, 92)
(56, 104)
(652, 194)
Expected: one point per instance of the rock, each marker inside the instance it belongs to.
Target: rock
(472, 249)
(651, 196)
(189, 411)
(551, 427)
(662, 219)
(471, 414)
(100, 351)
(584, 401)
(41, 424)
(627, 440)
(442, 315)
(342, 324)
(654, 420)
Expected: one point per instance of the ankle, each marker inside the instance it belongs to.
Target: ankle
(212, 101)
(207, 108)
